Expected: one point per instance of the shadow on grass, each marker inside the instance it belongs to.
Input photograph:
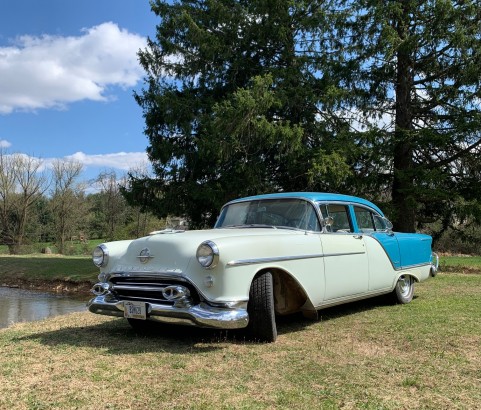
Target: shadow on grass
(297, 322)
(117, 337)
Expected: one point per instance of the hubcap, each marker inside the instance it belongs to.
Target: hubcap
(405, 285)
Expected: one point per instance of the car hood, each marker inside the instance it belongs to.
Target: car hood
(172, 250)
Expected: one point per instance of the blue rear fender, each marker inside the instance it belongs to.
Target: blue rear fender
(414, 249)
(405, 249)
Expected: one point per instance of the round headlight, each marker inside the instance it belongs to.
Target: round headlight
(208, 254)
(100, 256)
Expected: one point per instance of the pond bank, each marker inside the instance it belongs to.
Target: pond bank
(51, 273)
(57, 286)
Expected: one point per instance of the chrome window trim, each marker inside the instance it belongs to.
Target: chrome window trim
(312, 202)
(344, 203)
(348, 204)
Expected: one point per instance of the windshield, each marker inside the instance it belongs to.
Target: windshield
(276, 213)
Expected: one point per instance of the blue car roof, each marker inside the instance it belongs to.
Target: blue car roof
(314, 196)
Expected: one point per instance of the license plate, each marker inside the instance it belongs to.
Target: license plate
(135, 310)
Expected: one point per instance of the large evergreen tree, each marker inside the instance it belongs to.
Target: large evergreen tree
(412, 70)
(235, 105)
(371, 97)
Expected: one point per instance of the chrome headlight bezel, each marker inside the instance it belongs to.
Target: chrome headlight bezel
(208, 255)
(100, 256)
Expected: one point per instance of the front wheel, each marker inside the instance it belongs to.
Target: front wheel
(262, 321)
(404, 290)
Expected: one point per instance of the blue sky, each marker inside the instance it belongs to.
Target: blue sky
(68, 69)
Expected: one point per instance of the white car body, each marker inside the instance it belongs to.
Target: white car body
(305, 267)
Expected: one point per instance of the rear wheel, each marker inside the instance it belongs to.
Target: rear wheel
(404, 290)
(262, 322)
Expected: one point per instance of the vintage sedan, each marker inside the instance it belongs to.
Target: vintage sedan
(267, 255)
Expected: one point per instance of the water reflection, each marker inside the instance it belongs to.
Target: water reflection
(19, 305)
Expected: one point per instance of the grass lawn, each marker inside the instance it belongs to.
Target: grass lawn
(464, 264)
(43, 270)
(364, 355)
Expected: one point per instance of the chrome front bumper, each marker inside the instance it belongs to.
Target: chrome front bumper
(202, 314)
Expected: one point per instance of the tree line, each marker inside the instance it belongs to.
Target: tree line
(374, 98)
(53, 206)
(380, 99)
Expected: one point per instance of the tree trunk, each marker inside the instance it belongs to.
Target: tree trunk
(402, 189)
(403, 184)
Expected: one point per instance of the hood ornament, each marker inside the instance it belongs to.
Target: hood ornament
(144, 255)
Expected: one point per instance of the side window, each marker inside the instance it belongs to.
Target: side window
(336, 218)
(364, 219)
(368, 221)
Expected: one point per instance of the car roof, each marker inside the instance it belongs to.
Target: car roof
(315, 197)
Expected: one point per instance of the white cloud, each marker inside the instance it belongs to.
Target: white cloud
(5, 144)
(52, 71)
(121, 160)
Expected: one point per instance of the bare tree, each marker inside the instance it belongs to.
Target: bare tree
(112, 203)
(67, 200)
(21, 184)
(144, 220)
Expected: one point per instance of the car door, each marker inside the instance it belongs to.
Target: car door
(345, 259)
(382, 248)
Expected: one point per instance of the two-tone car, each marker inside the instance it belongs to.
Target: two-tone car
(267, 255)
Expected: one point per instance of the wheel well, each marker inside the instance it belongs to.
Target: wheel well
(289, 297)
(416, 279)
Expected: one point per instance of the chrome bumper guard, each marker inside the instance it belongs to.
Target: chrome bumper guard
(202, 314)
(434, 264)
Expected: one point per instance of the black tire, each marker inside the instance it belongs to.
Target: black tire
(404, 291)
(262, 321)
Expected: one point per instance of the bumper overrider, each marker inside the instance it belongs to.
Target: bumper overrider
(183, 311)
(434, 264)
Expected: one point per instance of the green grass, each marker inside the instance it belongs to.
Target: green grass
(364, 355)
(46, 268)
(71, 247)
(464, 264)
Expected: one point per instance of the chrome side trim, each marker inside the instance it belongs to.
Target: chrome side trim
(328, 255)
(418, 265)
(352, 298)
(255, 261)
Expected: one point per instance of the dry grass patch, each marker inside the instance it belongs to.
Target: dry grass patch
(367, 355)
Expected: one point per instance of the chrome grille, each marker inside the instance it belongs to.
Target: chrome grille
(147, 290)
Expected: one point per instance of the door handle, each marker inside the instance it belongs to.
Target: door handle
(357, 236)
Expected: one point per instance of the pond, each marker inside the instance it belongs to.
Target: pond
(19, 305)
